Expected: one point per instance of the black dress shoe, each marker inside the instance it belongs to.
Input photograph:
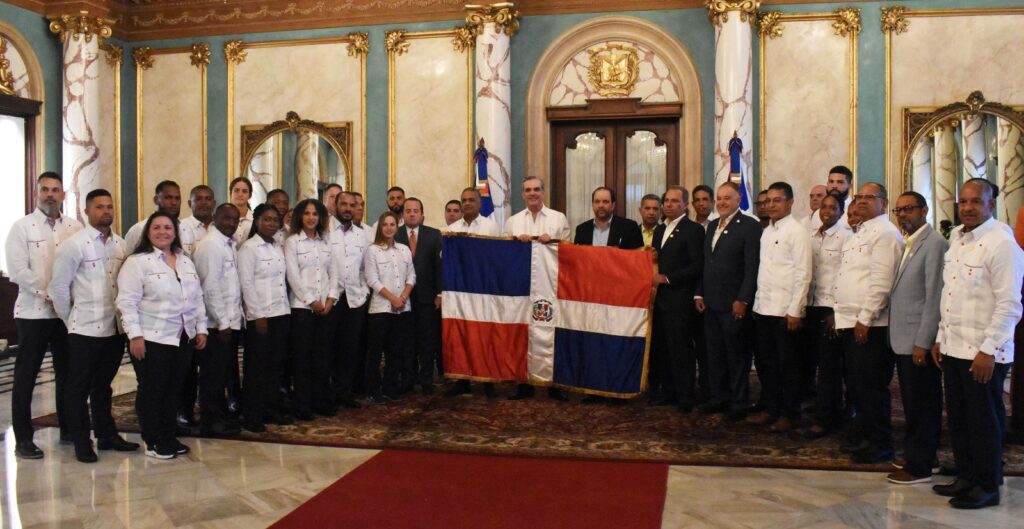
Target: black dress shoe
(349, 402)
(489, 391)
(736, 415)
(461, 387)
(872, 456)
(855, 447)
(117, 444)
(427, 389)
(975, 498)
(519, 396)
(27, 450)
(556, 394)
(85, 453)
(303, 416)
(254, 427)
(592, 399)
(279, 419)
(219, 428)
(954, 488)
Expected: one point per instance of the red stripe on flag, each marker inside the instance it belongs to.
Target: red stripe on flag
(485, 349)
(608, 276)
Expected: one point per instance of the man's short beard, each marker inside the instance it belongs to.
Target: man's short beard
(48, 210)
(397, 210)
(841, 195)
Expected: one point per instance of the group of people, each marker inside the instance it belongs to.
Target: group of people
(823, 307)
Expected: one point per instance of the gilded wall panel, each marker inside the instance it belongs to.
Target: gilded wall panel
(807, 108)
(431, 135)
(171, 136)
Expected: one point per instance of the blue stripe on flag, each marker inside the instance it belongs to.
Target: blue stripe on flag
(598, 361)
(486, 266)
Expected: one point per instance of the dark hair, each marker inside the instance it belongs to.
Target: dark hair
(355, 193)
(472, 189)
(202, 187)
(96, 193)
(992, 188)
(51, 175)
(650, 196)
(223, 206)
(279, 191)
(602, 188)
(707, 189)
(683, 190)
(762, 192)
(394, 188)
(843, 170)
(453, 201)
(731, 185)
(378, 238)
(352, 194)
(839, 203)
(413, 199)
(300, 210)
(145, 245)
(323, 192)
(238, 179)
(165, 183)
(918, 198)
(257, 213)
(882, 193)
(784, 187)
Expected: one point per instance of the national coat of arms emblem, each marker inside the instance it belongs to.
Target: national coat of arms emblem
(614, 69)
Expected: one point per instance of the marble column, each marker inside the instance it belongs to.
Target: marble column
(1010, 174)
(494, 25)
(974, 147)
(922, 175)
(307, 164)
(734, 90)
(80, 36)
(263, 169)
(945, 173)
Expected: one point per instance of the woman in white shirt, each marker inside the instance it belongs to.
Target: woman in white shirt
(241, 191)
(262, 276)
(311, 273)
(390, 276)
(161, 304)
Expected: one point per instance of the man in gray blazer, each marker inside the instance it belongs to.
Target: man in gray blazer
(913, 324)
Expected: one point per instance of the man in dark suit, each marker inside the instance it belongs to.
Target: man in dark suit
(679, 243)
(606, 229)
(425, 244)
(724, 296)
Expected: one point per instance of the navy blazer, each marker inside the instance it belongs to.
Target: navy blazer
(730, 270)
(681, 259)
(426, 262)
(623, 233)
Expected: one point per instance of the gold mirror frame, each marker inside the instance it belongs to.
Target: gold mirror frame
(917, 123)
(338, 134)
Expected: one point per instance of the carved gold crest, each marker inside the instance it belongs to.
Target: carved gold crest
(614, 69)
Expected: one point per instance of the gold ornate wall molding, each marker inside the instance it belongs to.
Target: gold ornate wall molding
(718, 10)
(503, 15)
(6, 79)
(81, 25)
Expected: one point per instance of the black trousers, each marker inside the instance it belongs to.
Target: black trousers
(728, 360)
(33, 338)
(700, 349)
(829, 351)
(190, 388)
(390, 337)
(311, 360)
(161, 374)
(92, 366)
(869, 374)
(778, 366)
(263, 356)
(674, 362)
(921, 393)
(349, 326)
(214, 362)
(977, 422)
(427, 343)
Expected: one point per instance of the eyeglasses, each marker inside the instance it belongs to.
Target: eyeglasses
(866, 197)
(908, 209)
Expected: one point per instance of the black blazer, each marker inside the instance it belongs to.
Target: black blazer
(426, 262)
(623, 233)
(730, 270)
(681, 259)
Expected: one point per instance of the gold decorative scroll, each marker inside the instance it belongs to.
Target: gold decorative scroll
(847, 21)
(234, 51)
(81, 25)
(503, 15)
(200, 55)
(359, 45)
(894, 20)
(143, 57)
(395, 43)
(113, 53)
(613, 70)
(464, 38)
(6, 79)
(718, 10)
(769, 24)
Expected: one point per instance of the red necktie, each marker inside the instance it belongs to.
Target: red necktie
(412, 242)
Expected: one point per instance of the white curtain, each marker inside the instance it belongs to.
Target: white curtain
(645, 169)
(1010, 174)
(922, 175)
(584, 171)
(945, 173)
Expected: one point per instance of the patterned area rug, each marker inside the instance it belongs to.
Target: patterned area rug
(544, 428)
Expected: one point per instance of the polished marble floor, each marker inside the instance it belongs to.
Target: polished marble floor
(229, 484)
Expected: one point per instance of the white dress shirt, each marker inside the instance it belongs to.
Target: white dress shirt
(215, 261)
(547, 221)
(670, 227)
(190, 231)
(83, 286)
(348, 247)
(723, 224)
(870, 261)
(262, 273)
(827, 249)
(158, 302)
(784, 274)
(981, 303)
(311, 271)
(389, 268)
(244, 226)
(481, 225)
(30, 248)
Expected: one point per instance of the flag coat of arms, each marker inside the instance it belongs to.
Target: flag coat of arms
(549, 314)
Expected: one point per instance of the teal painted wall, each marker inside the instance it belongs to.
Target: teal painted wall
(689, 26)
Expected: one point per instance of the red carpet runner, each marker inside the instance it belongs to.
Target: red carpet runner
(424, 490)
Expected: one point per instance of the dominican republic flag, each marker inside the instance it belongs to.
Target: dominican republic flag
(549, 314)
